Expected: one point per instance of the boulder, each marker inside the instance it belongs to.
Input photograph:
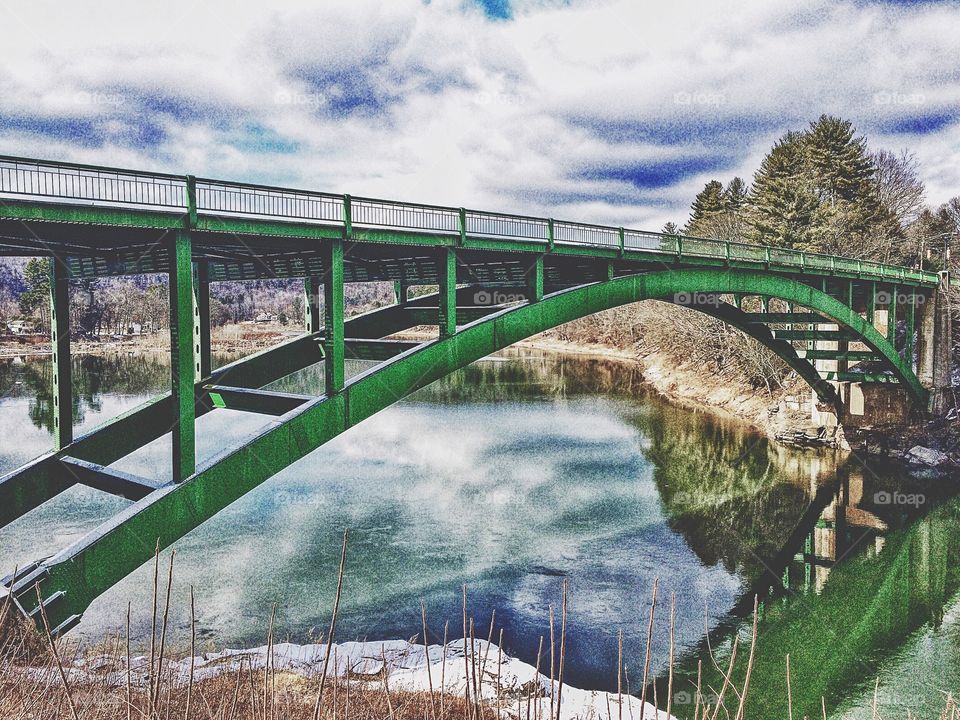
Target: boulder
(919, 455)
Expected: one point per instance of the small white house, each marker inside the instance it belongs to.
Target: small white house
(20, 327)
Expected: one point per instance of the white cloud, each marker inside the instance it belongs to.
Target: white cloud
(614, 111)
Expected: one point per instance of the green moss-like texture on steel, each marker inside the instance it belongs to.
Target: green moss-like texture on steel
(96, 562)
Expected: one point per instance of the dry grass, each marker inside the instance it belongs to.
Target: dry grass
(243, 695)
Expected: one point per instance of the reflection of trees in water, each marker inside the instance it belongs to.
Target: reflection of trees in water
(511, 375)
(93, 376)
(732, 495)
(518, 375)
(855, 592)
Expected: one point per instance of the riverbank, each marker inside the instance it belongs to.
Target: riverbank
(771, 413)
(244, 337)
(405, 678)
(781, 411)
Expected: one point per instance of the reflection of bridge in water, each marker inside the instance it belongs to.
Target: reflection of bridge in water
(833, 320)
(861, 572)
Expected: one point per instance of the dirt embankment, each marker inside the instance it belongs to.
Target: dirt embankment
(782, 413)
(781, 410)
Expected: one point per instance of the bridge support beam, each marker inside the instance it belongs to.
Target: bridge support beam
(311, 304)
(892, 316)
(447, 273)
(182, 356)
(201, 320)
(535, 280)
(333, 302)
(60, 345)
(400, 292)
(911, 317)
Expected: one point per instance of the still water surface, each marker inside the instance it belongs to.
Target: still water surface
(515, 473)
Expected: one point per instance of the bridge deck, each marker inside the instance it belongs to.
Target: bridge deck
(112, 221)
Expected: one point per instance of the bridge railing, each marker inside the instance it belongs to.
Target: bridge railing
(749, 253)
(89, 184)
(225, 198)
(503, 225)
(699, 247)
(651, 242)
(403, 216)
(586, 234)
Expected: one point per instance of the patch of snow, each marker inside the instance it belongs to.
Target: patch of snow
(919, 455)
(406, 664)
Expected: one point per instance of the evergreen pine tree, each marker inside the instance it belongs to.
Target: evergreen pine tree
(735, 194)
(848, 199)
(781, 201)
(708, 201)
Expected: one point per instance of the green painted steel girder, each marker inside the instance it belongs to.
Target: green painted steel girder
(257, 401)
(333, 314)
(203, 363)
(786, 318)
(815, 334)
(182, 356)
(93, 564)
(109, 479)
(60, 345)
(311, 304)
(368, 349)
(866, 378)
(911, 315)
(447, 309)
(422, 315)
(535, 280)
(847, 355)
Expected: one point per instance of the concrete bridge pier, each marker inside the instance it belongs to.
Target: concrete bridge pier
(926, 346)
(935, 347)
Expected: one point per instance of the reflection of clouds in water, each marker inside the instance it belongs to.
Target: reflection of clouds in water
(217, 432)
(410, 437)
(507, 496)
(463, 503)
(22, 440)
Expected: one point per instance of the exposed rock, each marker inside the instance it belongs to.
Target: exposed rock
(919, 455)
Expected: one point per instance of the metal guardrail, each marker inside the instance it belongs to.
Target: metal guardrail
(402, 216)
(33, 178)
(240, 199)
(75, 183)
(500, 225)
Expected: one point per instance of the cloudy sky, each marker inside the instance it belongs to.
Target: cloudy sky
(611, 111)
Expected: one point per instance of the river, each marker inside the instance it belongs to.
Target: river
(515, 473)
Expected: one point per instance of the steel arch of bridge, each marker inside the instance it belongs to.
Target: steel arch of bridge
(70, 580)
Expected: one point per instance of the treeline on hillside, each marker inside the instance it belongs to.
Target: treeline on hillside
(822, 189)
(115, 305)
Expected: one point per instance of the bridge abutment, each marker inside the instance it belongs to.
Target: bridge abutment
(934, 348)
(926, 346)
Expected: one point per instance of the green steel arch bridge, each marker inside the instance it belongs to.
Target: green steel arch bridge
(500, 278)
